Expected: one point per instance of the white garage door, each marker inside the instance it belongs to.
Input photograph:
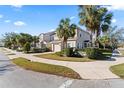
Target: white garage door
(57, 47)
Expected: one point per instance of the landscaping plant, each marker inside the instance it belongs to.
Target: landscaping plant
(27, 47)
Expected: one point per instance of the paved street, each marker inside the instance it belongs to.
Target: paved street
(12, 76)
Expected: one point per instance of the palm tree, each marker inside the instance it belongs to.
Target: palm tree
(95, 18)
(65, 30)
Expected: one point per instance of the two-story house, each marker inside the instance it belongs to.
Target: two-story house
(82, 39)
(45, 39)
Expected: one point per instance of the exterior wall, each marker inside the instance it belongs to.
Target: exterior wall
(71, 43)
(82, 36)
(78, 41)
(41, 37)
(45, 38)
(56, 37)
(51, 37)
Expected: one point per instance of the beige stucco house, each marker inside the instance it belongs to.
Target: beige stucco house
(82, 39)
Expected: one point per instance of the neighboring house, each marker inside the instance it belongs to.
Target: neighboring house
(82, 39)
(45, 39)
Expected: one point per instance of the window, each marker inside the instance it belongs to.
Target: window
(85, 44)
(80, 35)
(78, 45)
(82, 45)
(68, 45)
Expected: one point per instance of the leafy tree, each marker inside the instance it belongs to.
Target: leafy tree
(35, 40)
(27, 47)
(95, 18)
(9, 40)
(104, 40)
(116, 36)
(65, 30)
(14, 40)
(24, 37)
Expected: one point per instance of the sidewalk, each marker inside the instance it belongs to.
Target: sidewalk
(87, 70)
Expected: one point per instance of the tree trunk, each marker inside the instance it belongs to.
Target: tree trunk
(94, 39)
(62, 45)
(65, 44)
(91, 37)
(104, 46)
(98, 33)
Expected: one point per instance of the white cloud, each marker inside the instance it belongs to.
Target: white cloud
(1, 16)
(115, 7)
(19, 23)
(114, 20)
(52, 29)
(16, 31)
(17, 6)
(72, 17)
(7, 21)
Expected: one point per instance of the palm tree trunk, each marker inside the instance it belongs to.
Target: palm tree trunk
(98, 33)
(65, 44)
(104, 46)
(94, 38)
(62, 45)
(91, 37)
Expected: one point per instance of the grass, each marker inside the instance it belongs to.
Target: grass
(46, 68)
(118, 70)
(72, 59)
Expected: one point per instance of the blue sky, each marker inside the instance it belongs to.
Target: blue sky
(38, 19)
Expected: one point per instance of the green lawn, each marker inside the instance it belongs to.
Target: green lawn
(46, 68)
(118, 70)
(72, 59)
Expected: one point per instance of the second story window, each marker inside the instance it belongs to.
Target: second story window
(80, 35)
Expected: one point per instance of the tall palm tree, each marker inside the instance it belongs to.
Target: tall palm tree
(95, 18)
(65, 30)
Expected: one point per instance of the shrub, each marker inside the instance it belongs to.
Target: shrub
(76, 53)
(105, 50)
(94, 53)
(36, 50)
(45, 49)
(26, 47)
(39, 50)
(68, 52)
(59, 53)
(19, 50)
